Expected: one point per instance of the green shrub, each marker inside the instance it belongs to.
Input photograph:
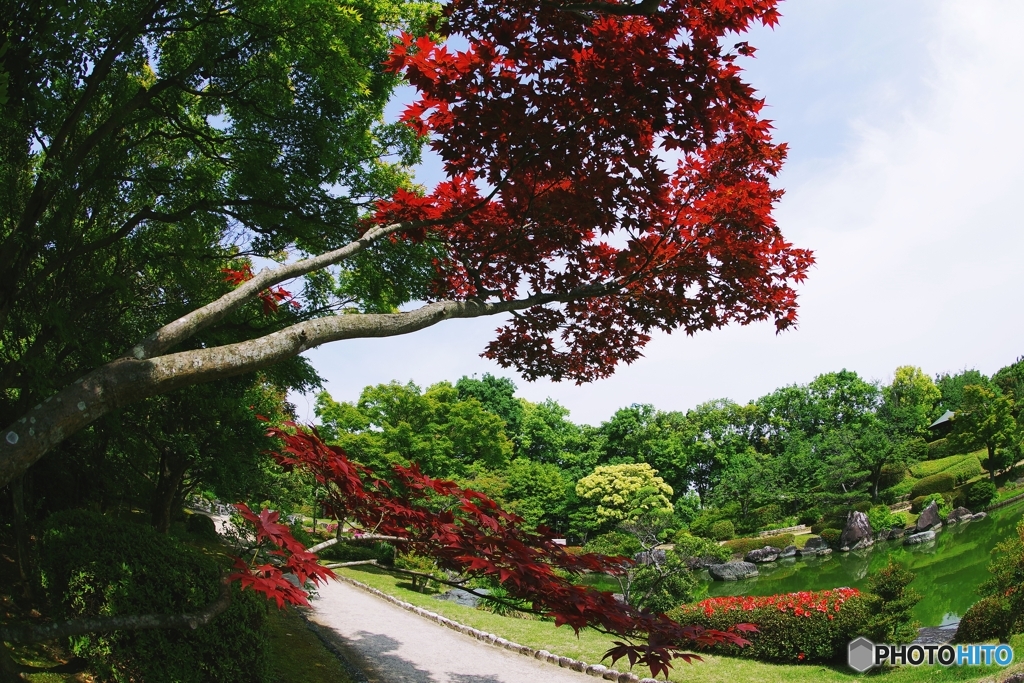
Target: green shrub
(422, 564)
(92, 565)
(881, 518)
(980, 495)
(961, 467)
(614, 543)
(722, 530)
(862, 506)
(201, 526)
(989, 618)
(936, 483)
(688, 545)
(831, 536)
(939, 449)
(745, 545)
(890, 605)
(791, 628)
(818, 528)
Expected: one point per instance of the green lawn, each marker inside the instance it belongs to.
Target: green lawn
(590, 646)
(296, 653)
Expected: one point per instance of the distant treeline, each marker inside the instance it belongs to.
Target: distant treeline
(793, 454)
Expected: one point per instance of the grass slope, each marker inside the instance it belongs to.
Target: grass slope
(591, 646)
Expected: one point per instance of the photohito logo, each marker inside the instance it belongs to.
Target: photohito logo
(863, 655)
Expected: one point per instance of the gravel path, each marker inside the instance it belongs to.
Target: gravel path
(395, 646)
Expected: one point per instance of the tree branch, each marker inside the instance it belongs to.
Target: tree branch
(127, 380)
(645, 7)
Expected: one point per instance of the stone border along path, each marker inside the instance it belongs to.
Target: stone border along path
(596, 670)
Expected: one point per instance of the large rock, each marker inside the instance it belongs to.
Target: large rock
(929, 518)
(922, 537)
(815, 545)
(788, 551)
(697, 563)
(857, 533)
(656, 556)
(763, 555)
(961, 514)
(461, 597)
(979, 515)
(732, 571)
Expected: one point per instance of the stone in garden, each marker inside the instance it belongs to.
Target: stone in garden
(732, 571)
(961, 514)
(815, 543)
(896, 533)
(857, 533)
(763, 555)
(923, 537)
(979, 515)
(929, 517)
(461, 597)
(542, 655)
(697, 563)
(611, 675)
(656, 556)
(788, 551)
(628, 677)
(596, 670)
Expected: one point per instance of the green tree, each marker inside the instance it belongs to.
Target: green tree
(400, 423)
(624, 492)
(496, 394)
(712, 435)
(985, 419)
(537, 493)
(952, 387)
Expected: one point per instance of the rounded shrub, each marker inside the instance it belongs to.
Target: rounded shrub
(936, 483)
(862, 506)
(831, 536)
(980, 495)
(987, 619)
(201, 526)
(763, 516)
(92, 565)
(722, 530)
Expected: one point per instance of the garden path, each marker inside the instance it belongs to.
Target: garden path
(394, 646)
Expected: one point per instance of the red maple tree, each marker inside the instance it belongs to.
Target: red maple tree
(465, 532)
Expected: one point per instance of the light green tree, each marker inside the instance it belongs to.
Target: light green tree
(624, 492)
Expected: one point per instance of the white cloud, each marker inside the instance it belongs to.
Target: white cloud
(905, 177)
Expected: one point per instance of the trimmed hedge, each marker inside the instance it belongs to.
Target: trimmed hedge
(92, 565)
(968, 468)
(797, 627)
(936, 483)
(961, 467)
(745, 545)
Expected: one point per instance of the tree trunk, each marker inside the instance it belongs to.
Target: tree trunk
(172, 471)
(21, 534)
(991, 463)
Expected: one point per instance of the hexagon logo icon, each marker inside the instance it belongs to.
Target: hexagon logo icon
(861, 655)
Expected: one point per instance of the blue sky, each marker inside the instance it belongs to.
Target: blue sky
(905, 176)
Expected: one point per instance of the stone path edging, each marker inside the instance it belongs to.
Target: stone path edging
(1004, 503)
(595, 670)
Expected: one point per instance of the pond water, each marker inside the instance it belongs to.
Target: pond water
(949, 569)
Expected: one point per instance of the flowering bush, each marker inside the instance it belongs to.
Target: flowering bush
(811, 626)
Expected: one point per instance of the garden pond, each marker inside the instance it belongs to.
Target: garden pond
(949, 569)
